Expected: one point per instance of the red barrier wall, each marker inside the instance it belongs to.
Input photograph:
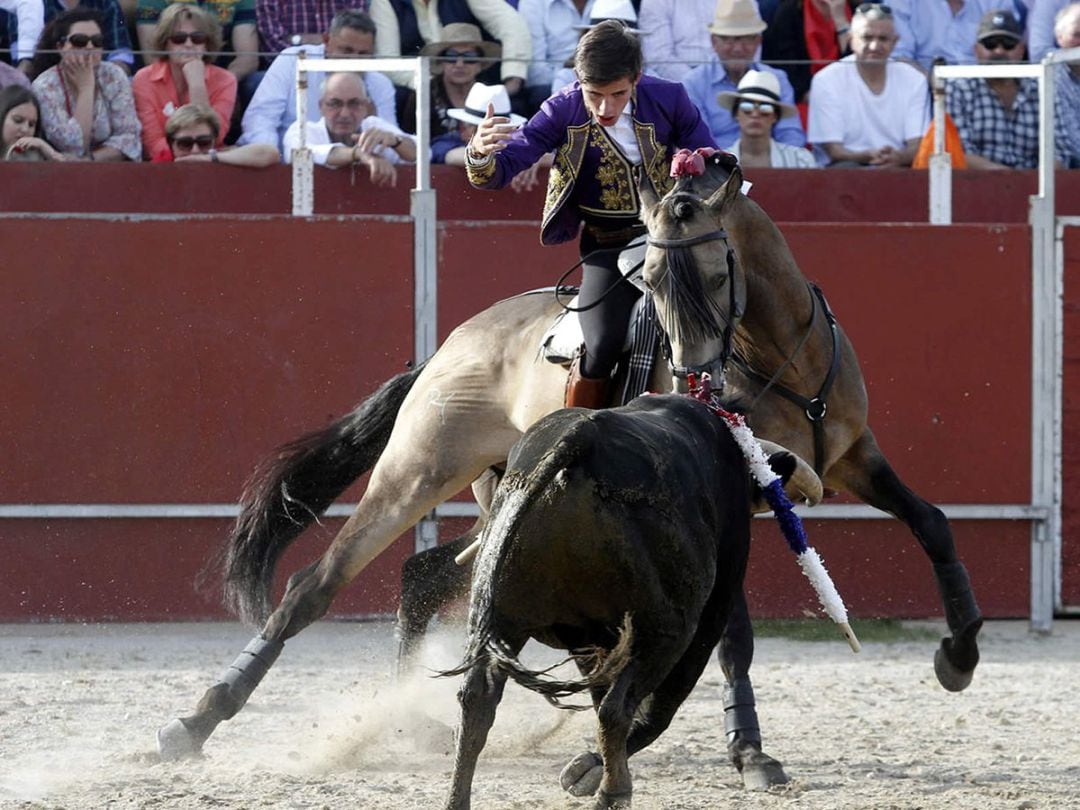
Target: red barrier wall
(155, 361)
(833, 195)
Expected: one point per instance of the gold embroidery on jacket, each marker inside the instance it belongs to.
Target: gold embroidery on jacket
(479, 175)
(615, 174)
(564, 171)
(654, 158)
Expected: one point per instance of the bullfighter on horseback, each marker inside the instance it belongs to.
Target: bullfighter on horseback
(609, 129)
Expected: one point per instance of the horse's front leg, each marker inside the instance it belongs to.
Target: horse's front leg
(865, 472)
(736, 653)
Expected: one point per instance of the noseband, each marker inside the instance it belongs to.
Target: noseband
(734, 313)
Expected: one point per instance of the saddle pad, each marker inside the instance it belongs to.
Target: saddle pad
(563, 338)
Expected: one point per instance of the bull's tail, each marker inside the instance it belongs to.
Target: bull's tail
(291, 488)
(513, 500)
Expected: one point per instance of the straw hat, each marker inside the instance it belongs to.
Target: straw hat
(621, 10)
(476, 104)
(758, 85)
(737, 18)
(462, 35)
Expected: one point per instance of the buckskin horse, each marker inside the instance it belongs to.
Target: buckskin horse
(428, 433)
(620, 536)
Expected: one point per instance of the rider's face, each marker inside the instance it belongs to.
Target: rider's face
(606, 102)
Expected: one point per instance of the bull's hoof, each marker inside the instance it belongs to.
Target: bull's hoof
(955, 660)
(582, 775)
(176, 741)
(612, 801)
(759, 770)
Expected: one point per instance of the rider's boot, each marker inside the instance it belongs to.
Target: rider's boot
(585, 392)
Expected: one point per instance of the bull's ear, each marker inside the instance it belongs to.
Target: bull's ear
(726, 194)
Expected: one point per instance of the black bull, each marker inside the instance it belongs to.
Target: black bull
(622, 536)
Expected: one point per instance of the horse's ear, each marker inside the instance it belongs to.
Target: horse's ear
(649, 198)
(726, 194)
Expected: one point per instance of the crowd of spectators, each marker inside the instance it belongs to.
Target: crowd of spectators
(789, 83)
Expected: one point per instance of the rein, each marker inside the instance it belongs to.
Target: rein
(815, 407)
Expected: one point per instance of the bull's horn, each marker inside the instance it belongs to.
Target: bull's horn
(804, 479)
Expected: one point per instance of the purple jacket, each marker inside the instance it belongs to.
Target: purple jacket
(591, 179)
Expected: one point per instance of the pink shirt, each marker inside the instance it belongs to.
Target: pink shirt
(156, 98)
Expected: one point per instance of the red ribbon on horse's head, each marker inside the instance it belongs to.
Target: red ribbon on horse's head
(692, 164)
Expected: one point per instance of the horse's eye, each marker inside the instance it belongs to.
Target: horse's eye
(718, 282)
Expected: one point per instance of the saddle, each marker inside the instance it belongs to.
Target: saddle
(564, 339)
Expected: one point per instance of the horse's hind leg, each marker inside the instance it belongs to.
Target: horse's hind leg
(401, 490)
(867, 474)
(479, 697)
(736, 653)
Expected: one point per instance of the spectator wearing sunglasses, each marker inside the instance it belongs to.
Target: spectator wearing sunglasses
(736, 38)
(459, 58)
(998, 119)
(349, 134)
(273, 107)
(193, 132)
(113, 26)
(866, 110)
(23, 21)
(183, 74)
(240, 38)
(404, 28)
(931, 29)
(757, 108)
(87, 109)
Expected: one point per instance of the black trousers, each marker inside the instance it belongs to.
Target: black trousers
(607, 299)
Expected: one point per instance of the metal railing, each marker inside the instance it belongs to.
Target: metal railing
(1047, 317)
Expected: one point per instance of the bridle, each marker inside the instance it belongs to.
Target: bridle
(734, 309)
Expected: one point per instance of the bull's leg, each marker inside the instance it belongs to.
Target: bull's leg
(614, 718)
(866, 473)
(479, 696)
(736, 653)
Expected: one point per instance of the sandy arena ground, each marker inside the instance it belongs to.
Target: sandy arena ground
(329, 727)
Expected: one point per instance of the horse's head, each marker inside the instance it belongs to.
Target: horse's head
(697, 286)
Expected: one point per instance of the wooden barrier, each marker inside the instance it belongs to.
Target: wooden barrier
(155, 361)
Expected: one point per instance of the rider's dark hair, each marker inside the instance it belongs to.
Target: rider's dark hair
(606, 53)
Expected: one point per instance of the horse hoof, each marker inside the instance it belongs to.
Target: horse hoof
(175, 742)
(949, 676)
(582, 775)
(759, 770)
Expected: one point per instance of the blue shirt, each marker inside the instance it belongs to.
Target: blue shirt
(273, 107)
(554, 37)
(705, 82)
(928, 29)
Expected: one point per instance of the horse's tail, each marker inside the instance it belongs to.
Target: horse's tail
(513, 500)
(291, 488)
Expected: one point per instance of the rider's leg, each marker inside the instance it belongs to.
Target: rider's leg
(607, 299)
